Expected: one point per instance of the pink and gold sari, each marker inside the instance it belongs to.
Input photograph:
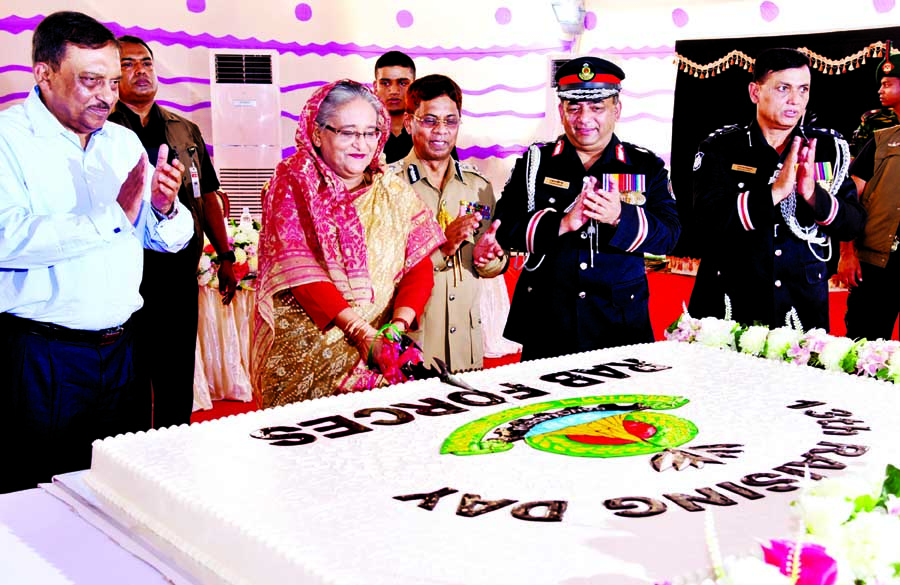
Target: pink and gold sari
(314, 230)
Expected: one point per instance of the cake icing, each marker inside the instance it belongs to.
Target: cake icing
(590, 468)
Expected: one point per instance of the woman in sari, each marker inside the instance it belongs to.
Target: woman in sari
(343, 252)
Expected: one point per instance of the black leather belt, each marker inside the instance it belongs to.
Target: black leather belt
(59, 333)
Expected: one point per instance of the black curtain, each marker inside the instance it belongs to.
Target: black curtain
(704, 105)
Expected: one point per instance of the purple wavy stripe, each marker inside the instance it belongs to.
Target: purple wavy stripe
(493, 151)
(634, 53)
(503, 113)
(17, 24)
(501, 87)
(7, 68)
(295, 117)
(637, 94)
(479, 152)
(296, 86)
(637, 117)
(172, 80)
(183, 108)
(13, 96)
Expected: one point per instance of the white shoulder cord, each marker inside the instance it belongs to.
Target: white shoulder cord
(531, 169)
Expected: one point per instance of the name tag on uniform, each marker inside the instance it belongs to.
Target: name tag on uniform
(744, 169)
(556, 183)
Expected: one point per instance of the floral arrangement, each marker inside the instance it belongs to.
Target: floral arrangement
(244, 239)
(850, 535)
(875, 359)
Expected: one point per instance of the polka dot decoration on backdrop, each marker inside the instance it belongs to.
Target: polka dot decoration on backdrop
(768, 11)
(303, 12)
(196, 5)
(590, 20)
(882, 6)
(503, 15)
(679, 17)
(404, 19)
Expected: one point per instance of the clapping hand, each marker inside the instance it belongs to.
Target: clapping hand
(806, 171)
(798, 172)
(459, 230)
(487, 248)
(131, 193)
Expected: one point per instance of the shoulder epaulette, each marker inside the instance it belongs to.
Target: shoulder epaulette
(869, 115)
(395, 167)
(638, 148)
(469, 168)
(730, 129)
(825, 131)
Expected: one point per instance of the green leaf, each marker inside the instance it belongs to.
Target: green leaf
(864, 503)
(674, 324)
(896, 569)
(848, 364)
(891, 486)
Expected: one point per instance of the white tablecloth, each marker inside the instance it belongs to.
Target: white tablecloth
(223, 349)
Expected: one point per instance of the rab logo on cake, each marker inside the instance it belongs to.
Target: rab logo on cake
(591, 426)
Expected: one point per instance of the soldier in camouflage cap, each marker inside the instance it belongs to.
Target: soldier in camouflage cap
(884, 117)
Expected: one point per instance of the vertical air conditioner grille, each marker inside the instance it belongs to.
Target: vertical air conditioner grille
(244, 188)
(231, 68)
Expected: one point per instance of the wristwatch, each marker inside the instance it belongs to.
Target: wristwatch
(226, 257)
(161, 216)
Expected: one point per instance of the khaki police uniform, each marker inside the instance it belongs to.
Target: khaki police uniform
(450, 326)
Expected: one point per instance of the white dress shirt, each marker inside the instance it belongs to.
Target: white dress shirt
(68, 254)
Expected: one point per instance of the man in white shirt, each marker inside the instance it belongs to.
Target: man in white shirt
(78, 202)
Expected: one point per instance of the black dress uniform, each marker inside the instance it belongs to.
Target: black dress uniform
(749, 252)
(568, 298)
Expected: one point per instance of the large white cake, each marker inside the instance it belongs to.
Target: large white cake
(536, 478)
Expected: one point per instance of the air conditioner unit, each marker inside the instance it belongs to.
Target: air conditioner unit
(246, 123)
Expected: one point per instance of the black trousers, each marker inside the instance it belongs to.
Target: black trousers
(60, 394)
(873, 305)
(167, 333)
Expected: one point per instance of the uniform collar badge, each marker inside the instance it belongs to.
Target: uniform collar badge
(413, 173)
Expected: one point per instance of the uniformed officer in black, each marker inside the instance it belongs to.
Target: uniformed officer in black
(769, 198)
(584, 286)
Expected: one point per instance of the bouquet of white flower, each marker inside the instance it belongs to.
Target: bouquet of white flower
(850, 536)
(244, 238)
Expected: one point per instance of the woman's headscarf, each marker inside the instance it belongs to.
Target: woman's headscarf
(311, 231)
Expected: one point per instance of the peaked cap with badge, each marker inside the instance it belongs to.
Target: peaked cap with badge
(889, 66)
(588, 78)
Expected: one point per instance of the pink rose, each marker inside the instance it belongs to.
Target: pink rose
(816, 566)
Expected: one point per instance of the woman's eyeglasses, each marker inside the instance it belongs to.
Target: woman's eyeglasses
(349, 134)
